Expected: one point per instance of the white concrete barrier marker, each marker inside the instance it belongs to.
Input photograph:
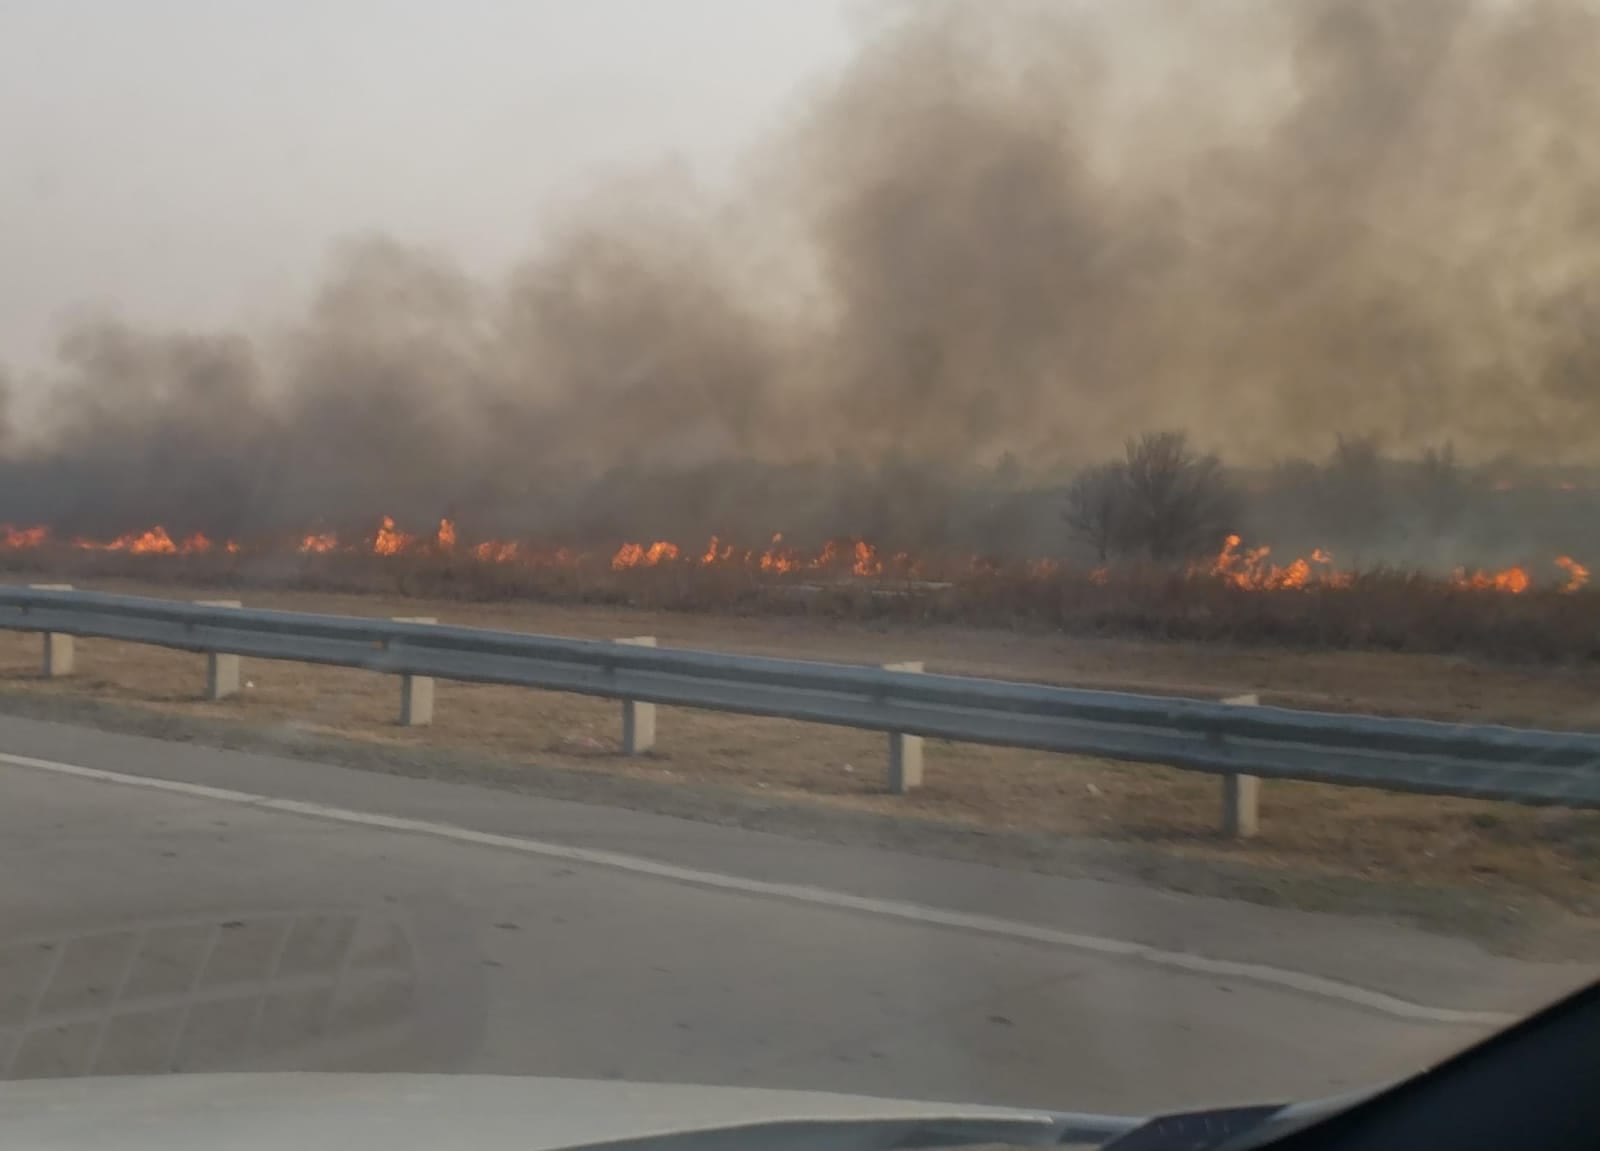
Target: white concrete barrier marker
(416, 691)
(222, 668)
(1241, 794)
(58, 650)
(905, 751)
(638, 719)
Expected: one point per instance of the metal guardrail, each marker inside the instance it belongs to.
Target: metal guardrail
(1407, 755)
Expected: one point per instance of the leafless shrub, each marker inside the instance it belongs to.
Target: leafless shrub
(1097, 508)
(1354, 501)
(1441, 491)
(1178, 503)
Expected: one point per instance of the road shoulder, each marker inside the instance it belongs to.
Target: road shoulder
(1085, 891)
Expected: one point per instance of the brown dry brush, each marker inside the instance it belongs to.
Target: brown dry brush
(1381, 609)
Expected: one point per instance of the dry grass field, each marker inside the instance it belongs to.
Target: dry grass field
(1550, 619)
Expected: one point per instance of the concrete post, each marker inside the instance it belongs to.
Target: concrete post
(222, 668)
(416, 691)
(638, 719)
(1241, 794)
(905, 751)
(58, 650)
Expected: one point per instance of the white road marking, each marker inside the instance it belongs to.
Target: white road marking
(1259, 973)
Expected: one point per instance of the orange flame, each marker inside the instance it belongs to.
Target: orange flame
(319, 543)
(1252, 569)
(155, 541)
(495, 552)
(389, 541)
(23, 537)
(446, 539)
(778, 558)
(628, 556)
(637, 555)
(1512, 581)
(831, 555)
(1297, 574)
(1577, 574)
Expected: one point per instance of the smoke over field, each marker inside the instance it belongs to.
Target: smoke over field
(1000, 241)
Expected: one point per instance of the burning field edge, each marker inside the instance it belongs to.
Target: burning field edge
(1240, 596)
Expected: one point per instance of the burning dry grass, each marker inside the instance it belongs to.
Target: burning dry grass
(1496, 849)
(1509, 615)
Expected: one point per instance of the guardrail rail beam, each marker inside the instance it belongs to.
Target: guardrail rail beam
(1246, 743)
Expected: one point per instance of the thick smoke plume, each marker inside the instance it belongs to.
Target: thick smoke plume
(1002, 241)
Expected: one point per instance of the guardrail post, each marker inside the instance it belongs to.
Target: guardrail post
(638, 719)
(905, 751)
(58, 651)
(1241, 794)
(222, 668)
(416, 691)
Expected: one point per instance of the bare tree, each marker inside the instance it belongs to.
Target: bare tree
(1097, 502)
(1441, 491)
(1179, 503)
(1355, 500)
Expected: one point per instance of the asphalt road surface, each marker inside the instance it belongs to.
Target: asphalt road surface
(165, 907)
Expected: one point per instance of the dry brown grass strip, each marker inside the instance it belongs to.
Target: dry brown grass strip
(1381, 610)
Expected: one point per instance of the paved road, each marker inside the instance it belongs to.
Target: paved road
(168, 906)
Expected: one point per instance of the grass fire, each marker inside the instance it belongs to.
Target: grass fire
(1241, 594)
(1236, 566)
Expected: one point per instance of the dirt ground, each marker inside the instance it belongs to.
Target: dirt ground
(1550, 857)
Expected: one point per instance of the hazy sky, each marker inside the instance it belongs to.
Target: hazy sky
(190, 160)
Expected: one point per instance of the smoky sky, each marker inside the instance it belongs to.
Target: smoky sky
(973, 244)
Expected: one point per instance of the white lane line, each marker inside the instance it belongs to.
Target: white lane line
(1259, 973)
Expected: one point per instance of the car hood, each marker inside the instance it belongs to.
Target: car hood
(473, 1112)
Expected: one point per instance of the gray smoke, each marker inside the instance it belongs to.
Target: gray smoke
(982, 246)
